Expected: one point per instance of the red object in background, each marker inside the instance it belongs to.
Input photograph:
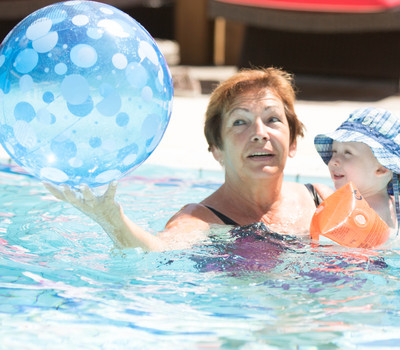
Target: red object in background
(354, 6)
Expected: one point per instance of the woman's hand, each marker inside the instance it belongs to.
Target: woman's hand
(108, 214)
(100, 208)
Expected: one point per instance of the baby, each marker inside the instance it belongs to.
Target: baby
(365, 149)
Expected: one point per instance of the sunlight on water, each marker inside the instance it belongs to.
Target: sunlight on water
(63, 284)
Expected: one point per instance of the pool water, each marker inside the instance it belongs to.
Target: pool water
(64, 286)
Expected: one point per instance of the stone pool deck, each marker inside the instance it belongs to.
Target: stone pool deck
(322, 109)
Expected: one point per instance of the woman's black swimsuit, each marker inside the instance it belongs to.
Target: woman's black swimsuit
(316, 197)
(224, 218)
(228, 221)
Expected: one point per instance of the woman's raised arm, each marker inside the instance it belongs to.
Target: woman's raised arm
(108, 213)
(183, 230)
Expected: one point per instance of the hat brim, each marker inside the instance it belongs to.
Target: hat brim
(323, 145)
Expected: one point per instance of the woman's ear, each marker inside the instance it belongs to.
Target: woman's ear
(218, 155)
(293, 149)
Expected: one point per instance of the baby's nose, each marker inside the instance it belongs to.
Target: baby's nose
(334, 160)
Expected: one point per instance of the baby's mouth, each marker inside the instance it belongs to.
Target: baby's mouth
(337, 176)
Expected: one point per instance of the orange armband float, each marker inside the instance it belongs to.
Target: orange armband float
(346, 218)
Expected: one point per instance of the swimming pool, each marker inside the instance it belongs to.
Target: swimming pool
(63, 286)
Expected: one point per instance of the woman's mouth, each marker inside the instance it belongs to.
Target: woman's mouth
(256, 155)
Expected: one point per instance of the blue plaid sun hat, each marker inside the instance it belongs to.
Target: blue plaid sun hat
(377, 128)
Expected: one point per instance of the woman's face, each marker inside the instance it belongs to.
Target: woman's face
(255, 136)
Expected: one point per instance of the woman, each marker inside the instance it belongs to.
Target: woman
(251, 128)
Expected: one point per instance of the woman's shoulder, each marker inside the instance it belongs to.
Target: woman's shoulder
(314, 194)
(193, 213)
(194, 209)
(187, 227)
(323, 190)
(296, 187)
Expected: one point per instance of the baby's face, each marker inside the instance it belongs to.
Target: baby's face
(354, 161)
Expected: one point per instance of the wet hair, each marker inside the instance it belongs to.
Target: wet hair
(260, 79)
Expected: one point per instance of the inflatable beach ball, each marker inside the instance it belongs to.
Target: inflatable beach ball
(85, 94)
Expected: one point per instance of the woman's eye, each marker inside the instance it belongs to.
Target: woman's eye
(239, 122)
(274, 120)
(348, 153)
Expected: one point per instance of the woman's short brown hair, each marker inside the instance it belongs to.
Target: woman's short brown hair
(245, 80)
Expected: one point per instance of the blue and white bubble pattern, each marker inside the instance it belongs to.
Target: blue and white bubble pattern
(85, 93)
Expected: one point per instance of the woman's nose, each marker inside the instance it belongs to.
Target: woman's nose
(260, 132)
